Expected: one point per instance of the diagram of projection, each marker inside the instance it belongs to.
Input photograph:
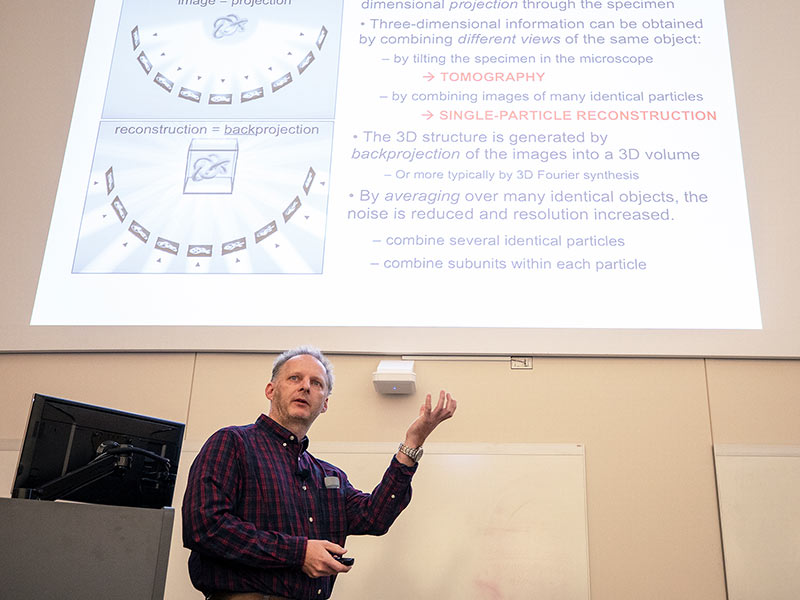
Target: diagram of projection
(172, 60)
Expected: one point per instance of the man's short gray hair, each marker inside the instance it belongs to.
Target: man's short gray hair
(305, 350)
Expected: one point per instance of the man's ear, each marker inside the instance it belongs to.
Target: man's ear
(268, 391)
(325, 405)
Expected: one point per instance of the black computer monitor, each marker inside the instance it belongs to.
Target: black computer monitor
(87, 453)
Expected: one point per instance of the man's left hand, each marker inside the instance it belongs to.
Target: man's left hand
(429, 419)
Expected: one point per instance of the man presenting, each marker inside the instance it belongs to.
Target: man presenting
(266, 520)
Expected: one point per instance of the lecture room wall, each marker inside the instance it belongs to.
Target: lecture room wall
(648, 426)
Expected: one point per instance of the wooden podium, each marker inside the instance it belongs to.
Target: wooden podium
(82, 551)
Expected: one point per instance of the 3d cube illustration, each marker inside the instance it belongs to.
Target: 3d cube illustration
(211, 166)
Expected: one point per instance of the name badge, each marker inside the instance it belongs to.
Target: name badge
(332, 483)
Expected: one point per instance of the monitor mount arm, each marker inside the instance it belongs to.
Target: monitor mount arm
(112, 457)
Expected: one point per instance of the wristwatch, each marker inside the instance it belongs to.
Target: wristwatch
(413, 453)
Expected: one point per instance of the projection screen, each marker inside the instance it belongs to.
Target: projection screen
(608, 177)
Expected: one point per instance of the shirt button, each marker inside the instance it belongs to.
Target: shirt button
(393, 496)
(310, 519)
(284, 444)
(291, 437)
(305, 489)
(319, 592)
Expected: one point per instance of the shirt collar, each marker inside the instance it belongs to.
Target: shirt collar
(277, 430)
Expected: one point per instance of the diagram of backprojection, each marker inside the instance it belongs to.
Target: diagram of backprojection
(178, 203)
(213, 151)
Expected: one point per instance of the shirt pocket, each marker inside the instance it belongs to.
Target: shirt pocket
(331, 507)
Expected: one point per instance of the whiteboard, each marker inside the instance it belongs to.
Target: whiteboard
(486, 521)
(759, 496)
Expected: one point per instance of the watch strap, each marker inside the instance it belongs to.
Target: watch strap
(413, 453)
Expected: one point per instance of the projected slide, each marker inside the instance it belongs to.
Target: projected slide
(497, 163)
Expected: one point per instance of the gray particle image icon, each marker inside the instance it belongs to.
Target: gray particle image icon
(211, 166)
(228, 26)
